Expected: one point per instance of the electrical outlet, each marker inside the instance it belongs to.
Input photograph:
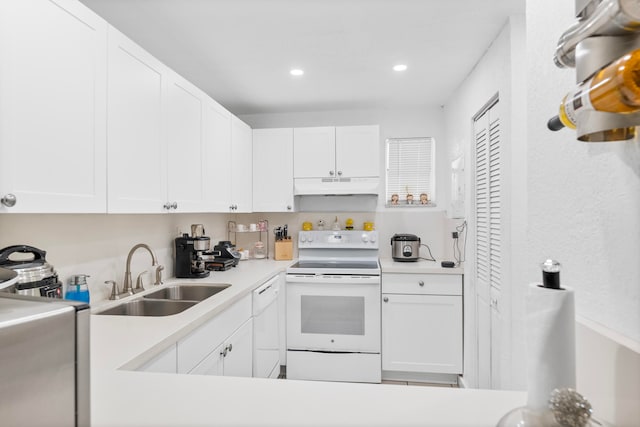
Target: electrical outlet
(454, 235)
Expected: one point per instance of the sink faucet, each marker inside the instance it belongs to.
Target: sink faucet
(127, 287)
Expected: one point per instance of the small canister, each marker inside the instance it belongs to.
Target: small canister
(259, 250)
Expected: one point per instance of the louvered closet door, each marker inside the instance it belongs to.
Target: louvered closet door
(488, 247)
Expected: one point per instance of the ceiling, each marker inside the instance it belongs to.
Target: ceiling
(241, 51)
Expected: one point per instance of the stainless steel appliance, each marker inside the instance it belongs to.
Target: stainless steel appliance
(36, 277)
(266, 340)
(333, 307)
(190, 250)
(405, 247)
(44, 354)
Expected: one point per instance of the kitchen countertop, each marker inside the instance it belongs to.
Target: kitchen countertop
(122, 397)
(388, 265)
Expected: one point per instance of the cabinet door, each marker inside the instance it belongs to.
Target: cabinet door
(186, 148)
(358, 151)
(233, 358)
(273, 170)
(213, 364)
(314, 152)
(137, 147)
(52, 107)
(422, 333)
(241, 166)
(238, 361)
(217, 133)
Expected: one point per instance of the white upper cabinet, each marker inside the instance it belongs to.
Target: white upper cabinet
(357, 151)
(314, 152)
(156, 145)
(186, 148)
(136, 146)
(273, 170)
(52, 107)
(241, 166)
(336, 152)
(217, 134)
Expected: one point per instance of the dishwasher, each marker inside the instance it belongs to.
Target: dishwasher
(266, 341)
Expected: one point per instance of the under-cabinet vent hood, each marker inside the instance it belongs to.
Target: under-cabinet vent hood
(335, 186)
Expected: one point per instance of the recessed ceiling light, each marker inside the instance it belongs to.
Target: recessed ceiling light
(399, 67)
(296, 72)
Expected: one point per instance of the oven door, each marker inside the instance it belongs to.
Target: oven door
(333, 313)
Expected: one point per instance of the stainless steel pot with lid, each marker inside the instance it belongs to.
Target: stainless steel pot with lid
(35, 276)
(405, 247)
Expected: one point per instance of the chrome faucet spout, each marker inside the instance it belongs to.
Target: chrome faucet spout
(127, 287)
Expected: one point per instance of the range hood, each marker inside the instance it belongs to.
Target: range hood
(336, 186)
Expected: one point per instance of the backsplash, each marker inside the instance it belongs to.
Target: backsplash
(98, 244)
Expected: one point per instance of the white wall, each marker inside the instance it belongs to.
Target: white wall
(583, 209)
(492, 75)
(584, 199)
(569, 200)
(98, 244)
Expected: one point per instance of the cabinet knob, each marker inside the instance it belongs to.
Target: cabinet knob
(421, 283)
(288, 207)
(167, 206)
(9, 200)
(331, 173)
(174, 205)
(385, 299)
(230, 347)
(340, 173)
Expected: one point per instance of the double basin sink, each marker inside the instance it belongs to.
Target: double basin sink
(166, 301)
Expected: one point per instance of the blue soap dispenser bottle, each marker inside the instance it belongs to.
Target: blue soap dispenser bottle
(78, 290)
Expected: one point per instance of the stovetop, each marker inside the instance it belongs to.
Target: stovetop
(337, 252)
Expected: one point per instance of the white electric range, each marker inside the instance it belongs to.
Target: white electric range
(333, 307)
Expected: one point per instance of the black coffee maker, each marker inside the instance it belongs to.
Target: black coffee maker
(189, 254)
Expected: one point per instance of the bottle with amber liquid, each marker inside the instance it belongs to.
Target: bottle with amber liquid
(613, 89)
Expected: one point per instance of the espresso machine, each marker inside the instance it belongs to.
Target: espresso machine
(190, 250)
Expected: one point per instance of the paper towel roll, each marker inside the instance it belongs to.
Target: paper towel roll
(551, 349)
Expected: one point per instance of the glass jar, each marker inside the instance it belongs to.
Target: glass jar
(259, 250)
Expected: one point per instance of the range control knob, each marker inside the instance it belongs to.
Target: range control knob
(365, 238)
(372, 238)
(310, 238)
(303, 237)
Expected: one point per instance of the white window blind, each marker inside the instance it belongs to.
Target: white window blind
(410, 168)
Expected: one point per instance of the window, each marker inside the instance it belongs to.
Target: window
(410, 172)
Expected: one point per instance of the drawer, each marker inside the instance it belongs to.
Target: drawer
(422, 284)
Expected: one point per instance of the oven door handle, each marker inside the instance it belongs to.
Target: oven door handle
(333, 279)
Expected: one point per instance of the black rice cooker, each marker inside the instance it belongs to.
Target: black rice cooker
(35, 276)
(405, 247)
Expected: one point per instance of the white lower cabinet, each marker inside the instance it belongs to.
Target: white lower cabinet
(232, 358)
(421, 325)
(164, 362)
(221, 346)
